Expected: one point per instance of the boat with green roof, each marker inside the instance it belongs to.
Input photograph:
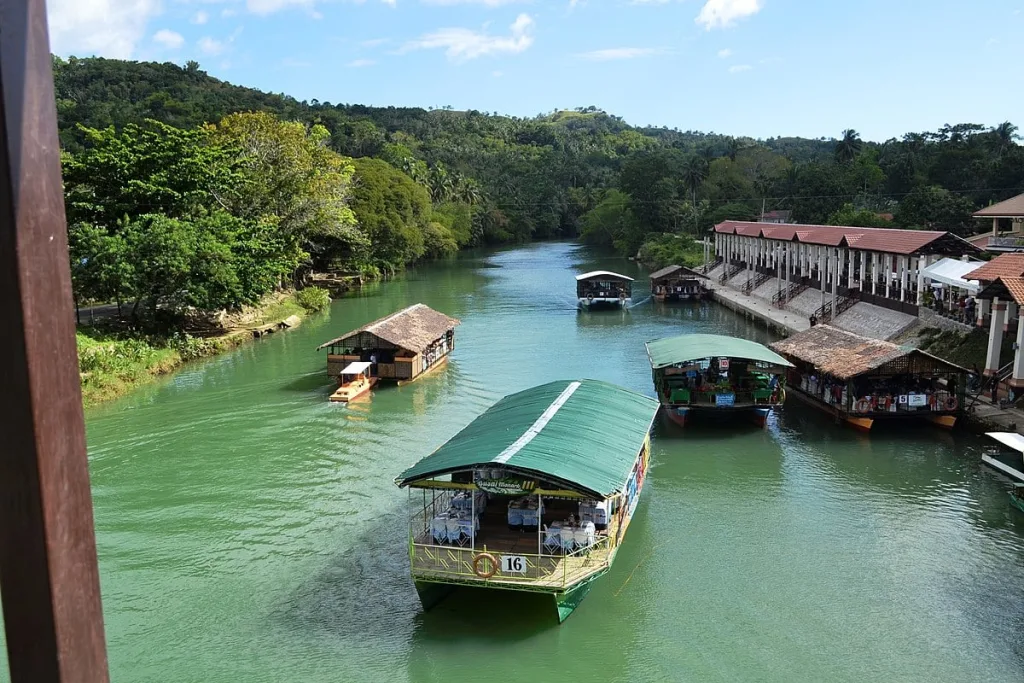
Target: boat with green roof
(534, 495)
(714, 375)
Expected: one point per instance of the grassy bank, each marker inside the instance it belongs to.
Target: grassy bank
(965, 349)
(114, 362)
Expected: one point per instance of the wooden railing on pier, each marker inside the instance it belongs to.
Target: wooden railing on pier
(786, 295)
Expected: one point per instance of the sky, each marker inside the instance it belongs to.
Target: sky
(759, 68)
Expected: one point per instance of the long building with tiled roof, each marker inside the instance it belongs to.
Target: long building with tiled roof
(884, 266)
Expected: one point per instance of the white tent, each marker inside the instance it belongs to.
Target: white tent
(950, 271)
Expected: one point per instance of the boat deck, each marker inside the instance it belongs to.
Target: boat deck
(543, 571)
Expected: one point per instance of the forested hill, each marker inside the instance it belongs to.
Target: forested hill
(409, 183)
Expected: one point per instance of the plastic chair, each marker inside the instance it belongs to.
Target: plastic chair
(568, 539)
(581, 538)
(552, 540)
(455, 532)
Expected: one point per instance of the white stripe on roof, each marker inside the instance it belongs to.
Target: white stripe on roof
(537, 426)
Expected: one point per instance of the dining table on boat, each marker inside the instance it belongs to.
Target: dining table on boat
(569, 535)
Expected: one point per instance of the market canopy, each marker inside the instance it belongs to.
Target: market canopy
(951, 271)
(356, 368)
(595, 274)
(690, 347)
(584, 435)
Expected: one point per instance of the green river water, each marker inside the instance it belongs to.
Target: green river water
(250, 531)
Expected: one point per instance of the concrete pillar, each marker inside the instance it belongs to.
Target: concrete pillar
(995, 227)
(983, 309)
(995, 337)
(849, 273)
(1011, 313)
(789, 263)
(887, 273)
(920, 282)
(1017, 379)
(822, 279)
(835, 279)
(904, 271)
(863, 268)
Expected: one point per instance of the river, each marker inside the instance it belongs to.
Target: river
(250, 531)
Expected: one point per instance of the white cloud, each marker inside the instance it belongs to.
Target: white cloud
(200, 17)
(724, 13)
(462, 44)
(169, 39)
(360, 63)
(109, 28)
(374, 42)
(497, 74)
(265, 7)
(210, 46)
(486, 3)
(739, 68)
(724, 54)
(615, 53)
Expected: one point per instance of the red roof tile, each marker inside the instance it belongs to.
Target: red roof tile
(1015, 285)
(1002, 266)
(1012, 207)
(891, 240)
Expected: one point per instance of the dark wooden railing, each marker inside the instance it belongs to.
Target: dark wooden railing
(788, 294)
(756, 282)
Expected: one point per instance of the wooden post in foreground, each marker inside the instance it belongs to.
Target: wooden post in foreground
(49, 580)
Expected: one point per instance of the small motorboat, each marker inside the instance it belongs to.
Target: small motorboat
(354, 382)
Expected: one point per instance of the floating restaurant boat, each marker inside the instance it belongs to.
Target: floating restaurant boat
(535, 495)
(603, 288)
(709, 374)
(861, 380)
(678, 283)
(354, 382)
(401, 347)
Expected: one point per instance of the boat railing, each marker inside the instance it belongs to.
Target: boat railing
(545, 571)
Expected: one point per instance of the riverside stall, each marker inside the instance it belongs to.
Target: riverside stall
(535, 495)
(713, 375)
(861, 380)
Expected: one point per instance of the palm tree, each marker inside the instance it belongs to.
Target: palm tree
(1006, 136)
(849, 147)
(733, 147)
(695, 172)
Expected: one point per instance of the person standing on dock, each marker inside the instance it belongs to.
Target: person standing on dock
(373, 363)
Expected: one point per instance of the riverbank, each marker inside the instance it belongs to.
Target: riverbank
(112, 363)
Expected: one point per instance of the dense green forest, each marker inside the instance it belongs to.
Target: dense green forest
(187, 190)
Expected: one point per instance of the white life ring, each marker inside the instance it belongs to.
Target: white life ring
(952, 403)
(590, 298)
(863, 405)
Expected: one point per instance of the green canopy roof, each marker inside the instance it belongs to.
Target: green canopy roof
(689, 347)
(584, 435)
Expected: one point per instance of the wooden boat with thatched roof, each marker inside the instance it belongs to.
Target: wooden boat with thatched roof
(679, 283)
(861, 380)
(535, 495)
(401, 347)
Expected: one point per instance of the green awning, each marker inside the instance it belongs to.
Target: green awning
(581, 434)
(690, 347)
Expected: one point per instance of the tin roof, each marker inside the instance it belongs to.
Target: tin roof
(667, 270)
(1010, 208)
(690, 347)
(582, 434)
(413, 328)
(845, 355)
(888, 240)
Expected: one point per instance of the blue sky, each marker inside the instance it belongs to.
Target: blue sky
(742, 67)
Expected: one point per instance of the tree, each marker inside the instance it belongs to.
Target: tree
(859, 218)
(393, 212)
(695, 172)
(612, 223)
(849, 146)
(289, 172)
(935, 208)
(1006, 137)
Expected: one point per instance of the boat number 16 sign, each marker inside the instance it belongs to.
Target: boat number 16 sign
(513, 564)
